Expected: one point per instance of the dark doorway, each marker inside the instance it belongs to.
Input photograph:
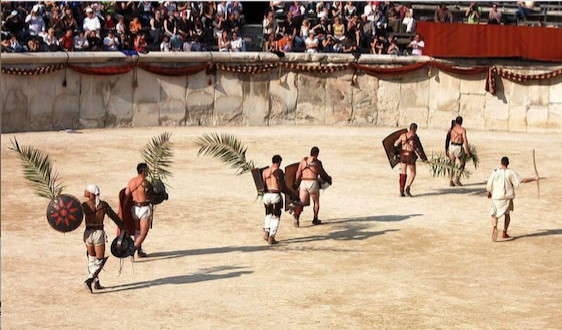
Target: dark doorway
(254, 11)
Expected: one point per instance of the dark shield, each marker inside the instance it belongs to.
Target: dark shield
(159, 193)
(65, 213)
(123, 245)
(258, 181)
(392, 152)
(290, 182)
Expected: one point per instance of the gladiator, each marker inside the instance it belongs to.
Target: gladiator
(274, 182)
(309, 179)
(456, 147)
(410, 147)
(141, 190)
(95, 211)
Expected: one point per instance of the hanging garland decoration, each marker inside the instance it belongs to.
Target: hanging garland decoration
(249, 69)
(515, 77)
(316, 68)
(376, 71)
(34, 71)
(173, 71)
(103, 70)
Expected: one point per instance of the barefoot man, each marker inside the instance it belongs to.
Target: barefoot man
(274, 182)
(140, 188)
(309, 173)
(95, 211)
(501, 189)
(410, 145)
(457, 149)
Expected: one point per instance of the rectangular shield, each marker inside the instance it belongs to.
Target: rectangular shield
(258, 181)
(390, 149)
(290, 180)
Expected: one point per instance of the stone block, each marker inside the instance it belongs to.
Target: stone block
(519, 94)
(517, 121)
(146, 114)
(441, 119)
(537, 119)
(120, 105)
(555, 118)
(200, 99)
(172, 101)
(444, 90)
(338, 98)
(66, 107)
(229, 96)
(40, 103)
(388, 102)
(93, 92)
(474, 84)
(311, 99)
(556, 90)
(413, 115)
(496, 112)
(539, 92)
(365, 99)
(256, 98)
(14, 103)
(472, 111)
(146, 100)
(282, 98)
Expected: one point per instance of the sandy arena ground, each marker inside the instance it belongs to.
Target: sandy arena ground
(378, 262)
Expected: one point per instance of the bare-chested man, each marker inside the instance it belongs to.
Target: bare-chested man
(308, 174)
(95, 211)
(457, 149)
(410, 148)
(274, 182)
(140, 188)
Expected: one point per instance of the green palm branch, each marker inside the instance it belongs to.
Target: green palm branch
(38, 170)
(158, 154)
(441, 166)
(228, 149)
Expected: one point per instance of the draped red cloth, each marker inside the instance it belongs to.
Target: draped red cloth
(473, 40)
(106, 70)
(172, 71)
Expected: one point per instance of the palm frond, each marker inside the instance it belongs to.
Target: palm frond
(38, 170)
(158, 155)
(441, 166)
(473, 156)
(227, 148)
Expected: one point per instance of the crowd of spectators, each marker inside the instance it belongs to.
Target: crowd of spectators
(111, 26)
(339, 27)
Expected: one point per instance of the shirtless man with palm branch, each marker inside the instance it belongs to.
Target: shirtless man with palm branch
(456, 147)
(274, 183)
(307, 178)
(95, 211)
(140, 188)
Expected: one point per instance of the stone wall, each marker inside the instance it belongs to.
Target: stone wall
(31, 103)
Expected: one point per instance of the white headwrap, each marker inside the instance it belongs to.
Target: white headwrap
(92, 188)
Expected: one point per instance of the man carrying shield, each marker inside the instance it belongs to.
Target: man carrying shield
(501, 189)
(274, 182)
(140, 189)
(410, 147)
(95, 211)
(309, 178)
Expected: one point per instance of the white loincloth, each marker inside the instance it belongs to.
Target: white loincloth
(456, 151)
(310, 186)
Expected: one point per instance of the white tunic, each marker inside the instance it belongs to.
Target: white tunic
(502, 185)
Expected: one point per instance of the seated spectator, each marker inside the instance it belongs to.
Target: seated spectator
(91, 22)
(290, 26)
(349, 10)
(14, 24)
(311, 43)
(196, 44)
(221, 9)
(298, 42)
(184, 25)
(494, 17)
(146, 13)
(236, 9)
(271, 44)
(285, 45)
(94, 42)
(337, 9)
(392, 18)
(417, 45)
(125, 42)
(140, 43)
(270, 26)
(170, 26)
(69, 23)
(380, 22)
(67, 41)
(370, 10)
(120, 28)
(80, 42)
(165, 45)
(474, 12)
(156, 27)
(224, 42)
(111, 42)
(51, 40)
(443, 14)
(56, 23)
(322, 29)
(198, 29)
(322, 11)
(349, 44)
(232, 24)
(377, 45)
(176, 43)
(393, 49)
(338, 29)
(354, 29)
(277, 6)
(110, 23)
(35, 22)
(524, 9)
(237, 44)
(218, 26)
(367, 31)
(297, 11)
(11, 44)
(409, 22)
(331, 45)
(33, 45)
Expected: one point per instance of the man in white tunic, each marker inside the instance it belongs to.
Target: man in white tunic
(501, 189)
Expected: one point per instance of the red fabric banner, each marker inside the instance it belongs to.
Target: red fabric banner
(473, 40)
(103, 70)
(171, 71)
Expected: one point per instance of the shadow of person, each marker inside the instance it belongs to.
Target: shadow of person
(455, 191)
(548, 232)
(210, 274)
(381, 218)
(347, 234)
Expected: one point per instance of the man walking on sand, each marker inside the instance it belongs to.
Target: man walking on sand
(501, 189)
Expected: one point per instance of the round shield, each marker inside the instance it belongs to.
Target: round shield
(65, 213)
(123, 246)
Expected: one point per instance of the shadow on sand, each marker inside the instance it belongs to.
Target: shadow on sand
(456, 191)
(378, 218)
(348, 234)
(548, 232)
(210, 274)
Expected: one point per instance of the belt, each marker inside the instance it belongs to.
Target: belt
(308, 179)
(141, 203)
(456, 144)
(273, 192)
(94, 227)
